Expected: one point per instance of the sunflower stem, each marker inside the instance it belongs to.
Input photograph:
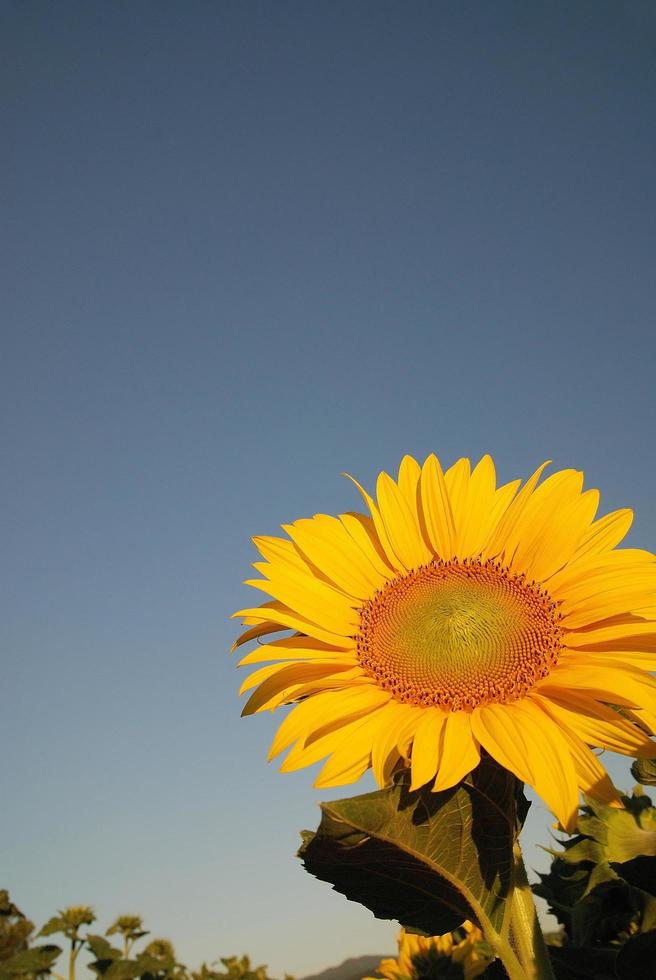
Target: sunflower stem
(525, 934)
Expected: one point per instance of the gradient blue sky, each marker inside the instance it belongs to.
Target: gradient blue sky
(247, 246)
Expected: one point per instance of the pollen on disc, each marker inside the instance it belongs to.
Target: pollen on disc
(459, 634)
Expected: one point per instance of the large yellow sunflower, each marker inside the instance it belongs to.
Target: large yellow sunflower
(459, 616)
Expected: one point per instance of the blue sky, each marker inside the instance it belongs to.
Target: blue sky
(247, 246)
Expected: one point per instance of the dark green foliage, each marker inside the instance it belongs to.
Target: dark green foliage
(602, 889)
(17, 959)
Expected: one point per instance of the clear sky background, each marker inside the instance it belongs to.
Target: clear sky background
(247, 246)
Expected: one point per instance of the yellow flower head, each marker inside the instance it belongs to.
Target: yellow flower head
(456, 616)
(422, 956)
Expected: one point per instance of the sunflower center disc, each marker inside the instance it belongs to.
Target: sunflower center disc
(459, 634)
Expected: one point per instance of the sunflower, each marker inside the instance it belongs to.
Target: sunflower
(459, 616)
(427, 956)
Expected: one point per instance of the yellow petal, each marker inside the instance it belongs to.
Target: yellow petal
(401, 524)
(560, 539)
(592, 778)
(634, 634)
(457, 479)
(502, 739)
(279, 681)
(645, 720)
(352, 756)
(426, 746)
(630, 597)
(540, 517)
(629, 584)
(408, 483)
(594, 723)
(599, 569)
(278, 550)
(385, 754)
(312, 599)
(325, 712)
(326, 543)
(436, 509)
(479, 514)
(261, 629)
(498, 542)
(363, 532)
(460, 751)
(611, 681)
(297, 648)
(503, 497)
(343, 681)
(261, 675)
(352, 734)
(381, 531)
(605, 533)
(642, 659)
(345, 766)
(286, 618)
(548, 760)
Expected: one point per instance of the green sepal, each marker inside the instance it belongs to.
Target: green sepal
(644, 771)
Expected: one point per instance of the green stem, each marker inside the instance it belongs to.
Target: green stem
(505, 952)
(525, 933)
(71, 961)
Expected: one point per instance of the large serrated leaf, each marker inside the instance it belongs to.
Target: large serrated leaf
(427, 859)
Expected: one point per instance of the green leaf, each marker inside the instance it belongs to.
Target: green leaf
(102, 949)
(562, 888)
(39, 959)
(149, 965)
(427, 859)
(55, 924)
(609, 834)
